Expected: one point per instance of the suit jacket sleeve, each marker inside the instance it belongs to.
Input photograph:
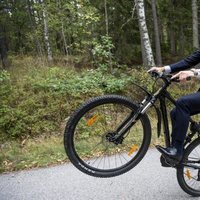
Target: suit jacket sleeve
(186, 63)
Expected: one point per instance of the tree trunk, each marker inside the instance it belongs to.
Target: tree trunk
(195, 24)
(63, 32)
(182, 40)
(172, 33)
(144, 57)
(172, 41)
(46, 34)
(157, 34)
(64, 40)
(3, 47)
(149, 61)
(33, 25)
(106, 15)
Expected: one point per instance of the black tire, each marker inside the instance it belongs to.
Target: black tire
(72, 137)
(189, 178)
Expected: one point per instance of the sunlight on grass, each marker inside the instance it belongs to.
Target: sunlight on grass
(33, 153)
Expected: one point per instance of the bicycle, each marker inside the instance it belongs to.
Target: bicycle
(109, 135)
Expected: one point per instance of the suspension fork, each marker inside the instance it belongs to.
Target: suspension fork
(133, 117)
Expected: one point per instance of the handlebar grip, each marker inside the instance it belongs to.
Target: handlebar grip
(177, 79)
(154, 74)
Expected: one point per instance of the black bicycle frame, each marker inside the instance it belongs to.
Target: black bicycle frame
(165, 95)
(161, 94)
(149, 101)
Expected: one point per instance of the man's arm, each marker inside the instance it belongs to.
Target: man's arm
(186, 63)
(182, 65)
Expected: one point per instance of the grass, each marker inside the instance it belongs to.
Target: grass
(46, 151)
(32, 153)
(43, 152)
(42, 149)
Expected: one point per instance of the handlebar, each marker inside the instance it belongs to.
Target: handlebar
(166, 77)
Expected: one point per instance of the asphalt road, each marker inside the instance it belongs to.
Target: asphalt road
(147, 181)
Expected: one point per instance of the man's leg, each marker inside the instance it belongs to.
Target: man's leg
(185, 107)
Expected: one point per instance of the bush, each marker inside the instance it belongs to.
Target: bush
(39, 101)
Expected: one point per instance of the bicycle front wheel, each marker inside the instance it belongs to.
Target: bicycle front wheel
(189, 176)
(89, 132)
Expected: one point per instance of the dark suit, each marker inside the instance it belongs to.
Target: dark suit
(185, 106)
(186, 63)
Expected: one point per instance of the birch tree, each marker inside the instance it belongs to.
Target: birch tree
(46, 33)
(106, 16)
(147, 54)
(62, 30)
(33, 26)
(195, 24)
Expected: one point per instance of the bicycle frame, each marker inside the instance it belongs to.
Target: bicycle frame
(165, 95)
(161, 94)
(149, 101)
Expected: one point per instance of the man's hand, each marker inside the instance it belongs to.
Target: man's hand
(156, 69)
(183, 75)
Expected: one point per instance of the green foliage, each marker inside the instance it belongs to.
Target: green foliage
(37, 101)
(5, 85)
(102, 50)
(40, 101)
(4, 76)
(35, 104)
(76, 28)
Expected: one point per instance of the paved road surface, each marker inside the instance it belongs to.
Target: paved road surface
(147, 181)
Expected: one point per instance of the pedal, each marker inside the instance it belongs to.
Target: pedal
(168, 162)
(164, 163)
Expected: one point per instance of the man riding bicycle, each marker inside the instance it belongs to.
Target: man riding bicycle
(185, 106)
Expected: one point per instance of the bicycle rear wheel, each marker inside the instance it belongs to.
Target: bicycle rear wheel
(189, 177)
(88, 137)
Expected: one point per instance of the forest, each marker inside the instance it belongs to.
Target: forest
(56, 54)
(82, 31)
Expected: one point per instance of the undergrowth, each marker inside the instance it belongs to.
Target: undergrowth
(36, 101)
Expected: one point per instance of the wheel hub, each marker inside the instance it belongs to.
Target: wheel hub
(110, 137)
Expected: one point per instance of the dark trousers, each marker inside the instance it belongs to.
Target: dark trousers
(185, 107)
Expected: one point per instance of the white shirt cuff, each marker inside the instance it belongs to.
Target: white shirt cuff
(167, 69)
(198, 75)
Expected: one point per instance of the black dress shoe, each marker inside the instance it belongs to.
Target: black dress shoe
(170, 152)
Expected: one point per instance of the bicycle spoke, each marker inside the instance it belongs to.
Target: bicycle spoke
(96, 133)
(100, 161)
(124, 158)
(96, 160)
(115, 160)
(120, 159)
(191, 175)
